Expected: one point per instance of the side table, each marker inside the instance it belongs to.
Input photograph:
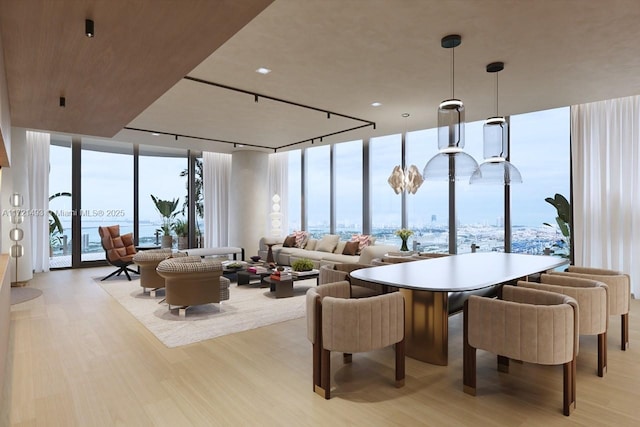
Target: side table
(270, 252)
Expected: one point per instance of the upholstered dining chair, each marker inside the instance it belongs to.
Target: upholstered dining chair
(119, 250)
(529, 325)
(592, 302)
(619, 293)
(336, 322)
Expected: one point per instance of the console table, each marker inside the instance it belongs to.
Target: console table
(426, 284)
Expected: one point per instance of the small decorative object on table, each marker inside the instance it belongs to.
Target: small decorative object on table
(404, 234)
(255, 258)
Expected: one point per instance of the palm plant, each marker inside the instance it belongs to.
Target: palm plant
(198, 193)
(563, 209)
(167, 209)
(55, 226)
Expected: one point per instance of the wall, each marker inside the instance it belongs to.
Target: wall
(5, 116)
(5, 317)
(248, 199)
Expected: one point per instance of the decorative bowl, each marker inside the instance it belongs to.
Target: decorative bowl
(255, 258)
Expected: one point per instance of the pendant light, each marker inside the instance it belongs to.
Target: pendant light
(451, 163)
(496, 169)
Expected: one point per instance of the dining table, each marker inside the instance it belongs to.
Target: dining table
(426, 286)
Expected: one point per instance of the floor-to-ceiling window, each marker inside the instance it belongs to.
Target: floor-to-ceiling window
(60, 209)
(428, 209)
(540, 149)
(479, 207)
(162, 174)
(348, 188)
(318, 189)
(294, 192)
(107, 192)
(386, 206)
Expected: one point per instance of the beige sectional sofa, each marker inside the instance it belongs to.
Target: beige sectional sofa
(321, 254)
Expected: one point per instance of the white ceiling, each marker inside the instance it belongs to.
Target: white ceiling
(342, 55)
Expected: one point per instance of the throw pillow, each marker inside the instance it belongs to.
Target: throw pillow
(363, 240)
(301, 238)
(311, 244)
(350, 248)
(328, 243)
(289, 242)
(340, 248)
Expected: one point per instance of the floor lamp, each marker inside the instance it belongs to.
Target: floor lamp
(16, 234)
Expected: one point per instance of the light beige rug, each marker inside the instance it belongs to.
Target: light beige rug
(248, 307)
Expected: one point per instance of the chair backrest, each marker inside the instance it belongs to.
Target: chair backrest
(528, 325)
(116, 246)
(590, 295)
(314, 297)
(362, 324)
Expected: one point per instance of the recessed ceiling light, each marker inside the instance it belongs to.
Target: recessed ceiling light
(405, 115)
(375, 104)
(155, 134)
(263, 70)
(240, 145)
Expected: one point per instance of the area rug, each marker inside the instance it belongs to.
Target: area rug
(23, 294)
(248, 307)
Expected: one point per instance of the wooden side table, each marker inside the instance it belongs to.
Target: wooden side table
(270, 252)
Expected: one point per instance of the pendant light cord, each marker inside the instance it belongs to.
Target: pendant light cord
(453, 73)
(497, 92)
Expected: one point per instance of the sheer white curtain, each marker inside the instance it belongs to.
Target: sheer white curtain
(216, 185)
(605, 140)
(38, 177)
(278, 184)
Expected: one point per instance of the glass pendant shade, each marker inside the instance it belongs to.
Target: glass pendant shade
(438, 168)
(451, 124)
(496, 133)
(16, 218)
(496, 171)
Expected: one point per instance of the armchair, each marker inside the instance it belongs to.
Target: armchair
(619, 293)
(119, 250)
(527, 324)
(336, 322)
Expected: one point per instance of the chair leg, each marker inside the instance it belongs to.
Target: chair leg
(325, 375)
(117, 272)
(503, 364)
(316, 365)
(126, 273)
(568, 387)
(602, 353)
(468, 357)
(624, 319)
(400, 363)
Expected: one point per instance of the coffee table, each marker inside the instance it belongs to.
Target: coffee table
(284, 288)
(245, 277)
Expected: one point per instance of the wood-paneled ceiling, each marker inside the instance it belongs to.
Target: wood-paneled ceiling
(334, 55)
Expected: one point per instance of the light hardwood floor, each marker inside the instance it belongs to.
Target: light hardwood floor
(77, 358)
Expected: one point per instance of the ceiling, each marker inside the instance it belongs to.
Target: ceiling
(336, 56)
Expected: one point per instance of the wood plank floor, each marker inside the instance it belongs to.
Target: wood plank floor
(77, 358)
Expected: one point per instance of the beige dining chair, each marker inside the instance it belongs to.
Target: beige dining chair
(592, 297)
(619, 293)
(528, 325)
(336, 322)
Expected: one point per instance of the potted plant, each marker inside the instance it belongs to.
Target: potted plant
(181, 228)
(302, 264)
(563, 208)
(167, 209)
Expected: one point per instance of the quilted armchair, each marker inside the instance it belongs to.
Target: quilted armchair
(119, 250)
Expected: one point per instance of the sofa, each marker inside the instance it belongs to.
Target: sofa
(328, 250)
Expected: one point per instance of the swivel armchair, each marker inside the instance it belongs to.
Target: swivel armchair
(119, 250)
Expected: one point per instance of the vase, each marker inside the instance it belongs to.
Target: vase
(404, 247)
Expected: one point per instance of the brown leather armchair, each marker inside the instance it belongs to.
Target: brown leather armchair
(119, 250)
